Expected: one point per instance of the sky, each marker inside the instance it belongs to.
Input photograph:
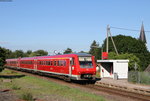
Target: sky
(55, 25)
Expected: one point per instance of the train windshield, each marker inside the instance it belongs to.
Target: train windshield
(85, 62)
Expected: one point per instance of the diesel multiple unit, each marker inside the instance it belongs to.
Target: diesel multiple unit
(79, 66)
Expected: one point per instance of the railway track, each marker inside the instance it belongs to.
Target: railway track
(132, 95)
(126, 95)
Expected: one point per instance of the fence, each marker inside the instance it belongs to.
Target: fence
(139, 77)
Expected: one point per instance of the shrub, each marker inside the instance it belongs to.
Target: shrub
(139, 77)
(15, 87)
(145, 78)
(27, 96)
(1, 68)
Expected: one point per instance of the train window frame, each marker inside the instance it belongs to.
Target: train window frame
(48, 63)
(72, 61)
(52, 63)
(55, 63)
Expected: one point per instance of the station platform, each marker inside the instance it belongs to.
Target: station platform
(123, 84)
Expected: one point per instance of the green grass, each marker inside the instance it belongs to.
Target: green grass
(44, 89)
(8, 72)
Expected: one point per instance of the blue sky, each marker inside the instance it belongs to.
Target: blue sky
(58, 24)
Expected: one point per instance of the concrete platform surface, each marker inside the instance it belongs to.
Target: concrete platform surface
(124, 85)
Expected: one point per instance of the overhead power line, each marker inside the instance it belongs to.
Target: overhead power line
(126, 29)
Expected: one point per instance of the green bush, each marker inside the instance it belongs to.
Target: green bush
(145, 77)
(15, 87)
(27, 96)
(133, 76)
(139, 77)
(1, 68)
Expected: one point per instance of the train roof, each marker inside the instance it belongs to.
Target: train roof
(73, 54)
(54, 56)
(82, 54)
(65, 55)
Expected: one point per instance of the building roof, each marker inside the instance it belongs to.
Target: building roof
(147, 69)
(142, 34)
(115, 61)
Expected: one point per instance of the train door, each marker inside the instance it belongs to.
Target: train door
(67, 67)
(35, 64)
(70, 67)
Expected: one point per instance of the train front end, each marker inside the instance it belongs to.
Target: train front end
(86, 67)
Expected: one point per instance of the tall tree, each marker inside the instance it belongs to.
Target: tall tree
(68, 50)
(127, 44)
(40, 53)
(18, 53)
(28, 53)
(131, 57)
(95, 50)
(2, 58)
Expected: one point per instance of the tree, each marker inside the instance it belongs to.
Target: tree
(131, 57)
(8, 53)
(40, 53)
(28, 53)
(68, 50)
(127, 44)
(95, 50)
(2, 58)
(18, 53)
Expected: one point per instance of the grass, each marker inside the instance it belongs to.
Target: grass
(8, 72)
(33, 87)
(15, 87)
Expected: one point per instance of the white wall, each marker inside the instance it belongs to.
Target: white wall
(119, 66)
(121, 69)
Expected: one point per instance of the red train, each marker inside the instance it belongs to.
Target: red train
(79, 66)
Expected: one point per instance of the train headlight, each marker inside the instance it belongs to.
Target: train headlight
(72, 68)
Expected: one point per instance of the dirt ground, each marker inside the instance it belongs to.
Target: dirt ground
(7, 96)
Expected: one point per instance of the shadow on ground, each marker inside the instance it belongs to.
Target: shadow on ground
(11, 76)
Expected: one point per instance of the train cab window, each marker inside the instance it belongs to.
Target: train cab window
(85, 62)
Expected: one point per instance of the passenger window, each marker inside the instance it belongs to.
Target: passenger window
(51, 63)
(64, 62)
(48, 62)
(55, 63)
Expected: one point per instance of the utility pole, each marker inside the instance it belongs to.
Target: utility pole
(113, 43)
(107, 38)
(107, 41)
